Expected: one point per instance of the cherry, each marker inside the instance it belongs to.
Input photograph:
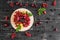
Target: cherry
(17, 3)
(44, 12)
(33, 5)
(55, 29)
(27, 19)
(6, 25)
(21, 4)
(37, 23)
(28, 34)
(13, 35)
(24, 24)
(44, 5)
(11, 4)
(6, 18)
(54, 3)
(18, 18)
(26, 4)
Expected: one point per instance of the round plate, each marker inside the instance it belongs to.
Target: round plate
(24, 28)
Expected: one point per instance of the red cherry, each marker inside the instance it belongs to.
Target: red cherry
(18, 18)
(28, 22)
(27, 19)
(5, 25)
(24, 15)
(54, 3)
(11, 4)
(37, 23)
(36, 6)
(6, 18)
(17, 3)
(26, 4)
(44, 12)
(55, 29)
(13, 35)
(44, 5)
(33, 5)
(25, 25)
(21, 4)
(28, 34)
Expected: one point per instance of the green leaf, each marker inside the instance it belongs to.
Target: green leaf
(40, 11)
(30, 14)
(18, 28)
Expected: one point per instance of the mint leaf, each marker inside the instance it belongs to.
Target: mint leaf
(18, 28)
(30, 14)
(40, 11)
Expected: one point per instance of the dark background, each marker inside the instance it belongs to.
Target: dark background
(50, 21)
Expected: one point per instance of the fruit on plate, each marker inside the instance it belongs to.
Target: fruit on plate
(22, 19)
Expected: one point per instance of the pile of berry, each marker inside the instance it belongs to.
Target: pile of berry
(21, 18)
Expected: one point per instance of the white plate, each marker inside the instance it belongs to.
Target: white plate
(21, 10)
